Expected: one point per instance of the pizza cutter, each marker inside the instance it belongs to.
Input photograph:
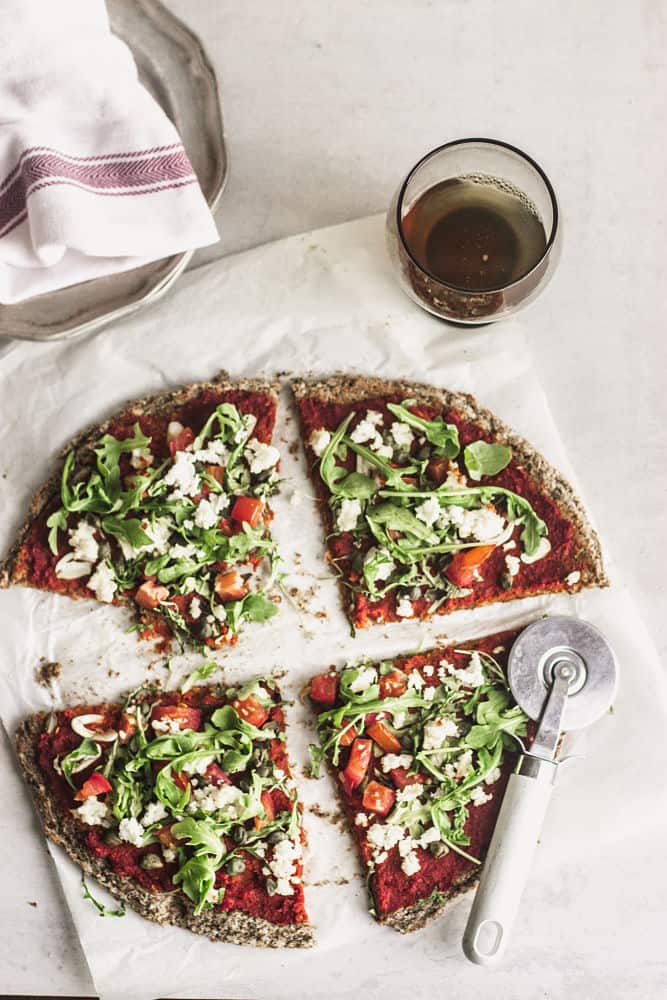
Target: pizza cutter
(562, 672)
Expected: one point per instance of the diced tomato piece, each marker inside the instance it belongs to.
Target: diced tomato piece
(96, 784)
(437, 470)
(269, 809)
(216, 776)
(324, 688)
(248, 509)
(348, 737)
(401, 778)
(181, 715)
(378, 798)
(357, 765)
(464, 565)
(216, 472)
(251, 711)
(181, 780)
(384, 737)
(393, 685)
(230, 586)
(227, 527)
(181, 440)
(149, 595)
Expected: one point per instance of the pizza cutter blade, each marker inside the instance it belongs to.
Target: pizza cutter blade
(562, 672)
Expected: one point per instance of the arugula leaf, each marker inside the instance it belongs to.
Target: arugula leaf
(127, 528)
(197, 877)
(102, 910)
(395, 518)
(78, 759)
(483, 459)
(330, 472)
(200, 674)
(444, 436)
(252, 607)
(56, 522)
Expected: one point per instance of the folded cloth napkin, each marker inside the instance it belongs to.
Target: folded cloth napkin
(93, 176)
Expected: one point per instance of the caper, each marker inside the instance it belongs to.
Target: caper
(245, 784)
(150, 861)
(258, 755)
(424, 452)
(438, 849)
(415, 593)
(239, 835)
(112, 839)
(263, 769)
(263, 477)
(277, 837)
(271, 886)
(235, 866)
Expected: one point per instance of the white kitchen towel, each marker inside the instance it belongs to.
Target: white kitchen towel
(93, 176)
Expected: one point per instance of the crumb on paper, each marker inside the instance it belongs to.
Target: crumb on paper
(47, 672)
(32, 902)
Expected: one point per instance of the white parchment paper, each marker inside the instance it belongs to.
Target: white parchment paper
(323, 301)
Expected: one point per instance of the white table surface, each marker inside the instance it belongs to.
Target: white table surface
(326, 106)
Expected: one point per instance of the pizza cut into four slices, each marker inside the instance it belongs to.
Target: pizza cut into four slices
(431, 503)
(181, 804)
(421, 748)
(165, 507)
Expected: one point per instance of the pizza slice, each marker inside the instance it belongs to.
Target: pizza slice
(422, 748)
(432, 504)
(181, 804)
(164, 507)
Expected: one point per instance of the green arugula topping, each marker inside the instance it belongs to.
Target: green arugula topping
(484, 459)
(101, 909)
(408, 530)
(78, 759)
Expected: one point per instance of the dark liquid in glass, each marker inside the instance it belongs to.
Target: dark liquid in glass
(474, 233)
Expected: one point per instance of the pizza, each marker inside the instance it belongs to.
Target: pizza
(431, 503)
(421, 748)
(164, 507)
(181, 804)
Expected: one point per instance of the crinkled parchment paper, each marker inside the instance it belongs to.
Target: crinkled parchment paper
(323, 301)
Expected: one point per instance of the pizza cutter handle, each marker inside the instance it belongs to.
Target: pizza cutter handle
(508, 861)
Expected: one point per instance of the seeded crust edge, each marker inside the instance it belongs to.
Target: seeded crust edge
(62, 829)
(84, 441)
(343, 388)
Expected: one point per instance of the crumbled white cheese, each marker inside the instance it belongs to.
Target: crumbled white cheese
(461, 767)
(159, 533)
(470, 676)
(428, 511)
(492, 776)
(410, 792)
(84, 545)
(261, 456)
(215, 453)
(169, 854)
(428, 670)
(498, 649)
(249, 422)
(198, 766)
(366, 433)
(415, 681)
(543, 549)
(384, 836)
(155, 811)
(174, 429)
(428, 694)
(283, 865)
(188, 551)
(92, 812)
(141, 458)
(508, 546)
(438, 732)
(219, 613)
(573, 578)
(166, 725)
(478, 796)
(103, 583)
(361, 819)
(183, 476)
(348, 515)
(482, 524)
(384, 451)
(429, 836)
(68, 568)
(404, 608)
(410, 863)
(131, 831)
(195, 608)
(513, 564)
(392, 760)
(374, 417)
(209, 510)
(319, 440)
(226, 799)
(363, 681)
(402, 434)
(455, 478)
